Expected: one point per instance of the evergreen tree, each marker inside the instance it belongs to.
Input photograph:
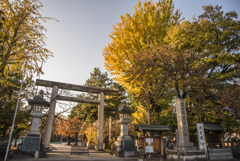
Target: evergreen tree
(214, 37)
(89, 112)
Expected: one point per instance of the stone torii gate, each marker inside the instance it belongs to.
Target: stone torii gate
(54, 97)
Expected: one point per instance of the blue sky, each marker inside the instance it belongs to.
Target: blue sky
(79, 37)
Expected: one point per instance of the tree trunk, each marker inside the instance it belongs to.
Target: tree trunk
(15, 143)
(76, 139)
(68, 140)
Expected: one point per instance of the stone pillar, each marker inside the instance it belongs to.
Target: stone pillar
(124, 130)
(201, 137)
(50, 118)
(100, 121)
(35, 124)
(110, 128)
(184, 143)
(184, 149)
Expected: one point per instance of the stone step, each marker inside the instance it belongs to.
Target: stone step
(219, 150)
(220, 158)
(218, 154)
(221, 154)
(188, 148)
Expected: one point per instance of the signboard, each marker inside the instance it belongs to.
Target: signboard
(201, 136)
(149, 141)
(152, 144)
(149, 149)
(31, 143)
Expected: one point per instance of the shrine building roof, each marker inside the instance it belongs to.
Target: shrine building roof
(152, 128)
(209, 126)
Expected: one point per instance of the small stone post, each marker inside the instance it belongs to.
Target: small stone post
(110, 128)
(50, 118)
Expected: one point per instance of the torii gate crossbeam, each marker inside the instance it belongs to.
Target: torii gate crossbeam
(55, 97)
(74, 87)
(77, 99)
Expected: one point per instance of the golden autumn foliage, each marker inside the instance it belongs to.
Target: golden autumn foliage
(148, 24)
(91, 133)
(21, 36)
(196, 59)
(140, 116)
(70, 127)
(92, 130)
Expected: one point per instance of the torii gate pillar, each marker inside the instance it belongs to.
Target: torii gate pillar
(100, 121)
(50, 118)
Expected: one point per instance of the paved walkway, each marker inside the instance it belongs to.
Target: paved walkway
(61, 152)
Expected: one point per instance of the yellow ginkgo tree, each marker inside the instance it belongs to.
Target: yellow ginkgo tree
(140, 116)
(148, 24)
(21, 36)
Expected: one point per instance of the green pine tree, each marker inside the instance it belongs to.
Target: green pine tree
(89, 112)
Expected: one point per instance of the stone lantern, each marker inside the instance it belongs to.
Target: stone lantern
(124, 146)
(38, 104)
(32, 140)
(124, 112)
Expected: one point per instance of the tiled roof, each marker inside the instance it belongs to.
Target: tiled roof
(152, 128)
